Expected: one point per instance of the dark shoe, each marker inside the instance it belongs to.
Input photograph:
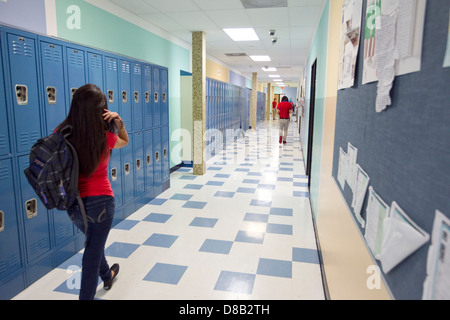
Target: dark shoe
(108, 284)
(284, 142)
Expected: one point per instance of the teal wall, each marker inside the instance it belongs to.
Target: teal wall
(319, 49)
(102, 30)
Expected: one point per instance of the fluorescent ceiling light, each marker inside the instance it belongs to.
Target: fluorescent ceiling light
(241, 34)
(269, 69)
(274, 75)
(277, 80)
(260, 58)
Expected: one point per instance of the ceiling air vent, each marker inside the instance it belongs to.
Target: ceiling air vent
(235, 54)
(259, 4)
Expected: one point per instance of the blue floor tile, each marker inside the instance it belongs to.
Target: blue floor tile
(221, 175)
(166, 273)
(157, 217)
(250, 237)
(279, 228)
(186, 177)
(255, 174)
(275, 268)
(157, 201)
(160, 240)
(302, 194)
(305, 255)
(300, 184)
(126, 225)
(181, 196)
(285, 179)
(214, 168)
(242, 170)
(266, 186)
(253, 181)
(281, 211)
(235, 282)
(215, 183)
(193, 186)
(216, 246)
(246, 190)
(256, 217)
(120, 249)
(224, 194)
(260, 203)
(203, 222)
(194, 204)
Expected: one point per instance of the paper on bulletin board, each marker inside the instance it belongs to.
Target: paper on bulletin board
(349, 44)
(342, 168)
(447, 54)
(437, 282)
(352, 155)
(359, 193)
(401, 238)
(377, 210)
(408, 35)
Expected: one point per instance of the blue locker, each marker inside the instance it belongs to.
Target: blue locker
(115, 170)
(148, 96)
(157, 157)
(137, 97)
(35, 217)
(10, 257)
(139, 163)
(76, 74)
(4, 128)
(156, 97)
(125, 93)
(95, 69)
(53, 84)
(112, 83)
(128, 171)
(149, 160)
(24, 89)
(164, 81)
(165, 170)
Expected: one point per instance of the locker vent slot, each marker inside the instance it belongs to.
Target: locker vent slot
(31, 208)
(138, 164)
(124, 96)
(136, 96)
(51, 95)
(51, 54)
(114, 174)
(112, 64)
(2, 221)
(147, 97)
(127, 169)
(137, 69)
(21, 94)
(21, 47)
(111, 96)
(125, 67)
(75, 58)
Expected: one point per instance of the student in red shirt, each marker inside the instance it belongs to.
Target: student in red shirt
(284, 112)
(274, 109)
(93, 138)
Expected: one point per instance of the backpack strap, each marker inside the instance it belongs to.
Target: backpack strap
(83, 214)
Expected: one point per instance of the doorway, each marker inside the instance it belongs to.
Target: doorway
(312, 102)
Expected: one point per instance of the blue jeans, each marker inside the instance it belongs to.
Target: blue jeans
(100, 215)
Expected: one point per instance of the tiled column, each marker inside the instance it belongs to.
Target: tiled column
(199, 100)
(268, 102)
(253, 100)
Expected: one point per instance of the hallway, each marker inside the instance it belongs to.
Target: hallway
(244, 230)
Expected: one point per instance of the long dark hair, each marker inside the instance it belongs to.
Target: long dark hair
(88, 133)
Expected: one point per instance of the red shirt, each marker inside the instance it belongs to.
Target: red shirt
(274, 104)
(284, 108)
(98, 183)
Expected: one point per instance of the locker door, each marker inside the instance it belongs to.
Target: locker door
(76, 75)
(115, 170)
(139, 166)
(95, 69)
(4, 131)
(53, 84)
(112, 84)
(164, 79)
(156, 97)
(165, 154)
(157, 157)
(125, 95)
(35, 217)
(148, 97)
(10, 258)
(149, 159)
(24, 87)
(137, 97)
(128, 171)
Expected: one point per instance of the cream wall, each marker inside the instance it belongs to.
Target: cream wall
(345, 255)
(217, 71)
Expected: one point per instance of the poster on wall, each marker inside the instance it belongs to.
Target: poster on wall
(349, 44)
(408, 18)
(447, 54)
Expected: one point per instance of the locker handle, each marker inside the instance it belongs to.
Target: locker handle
(165, 153)
(124, 96)
(51, 95)
(127, 169)
(148, 160)
(138, 164)
(157, 156)
(21, 94)
(31, 208)
(136, 96)
(156, 96)
(73, 90)
(114, 174)
(111, 96)
(164, 97)
(147, 97)
(2, 221)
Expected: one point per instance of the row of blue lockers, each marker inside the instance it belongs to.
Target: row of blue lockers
(38, 76)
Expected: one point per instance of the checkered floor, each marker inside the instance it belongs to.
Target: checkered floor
(242, 231)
